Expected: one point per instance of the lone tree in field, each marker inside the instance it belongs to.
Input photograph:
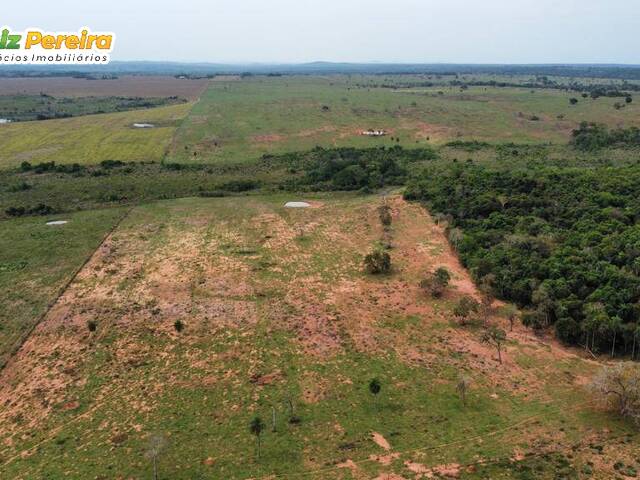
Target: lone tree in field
(573, 101)
(256, 427)
(436, 283)
(619, 386)
(155, 447)
(464, 383)
(374, 387)
(465, 307)
(178, 325)
(496, 337)
(377, 262)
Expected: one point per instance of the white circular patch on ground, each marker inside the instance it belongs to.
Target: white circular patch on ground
(297, 205)
(57, 222)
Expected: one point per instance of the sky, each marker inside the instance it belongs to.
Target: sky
(393, 31)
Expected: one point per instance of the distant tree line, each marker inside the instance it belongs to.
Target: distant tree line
(592, 136)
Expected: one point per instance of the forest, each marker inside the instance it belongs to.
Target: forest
(563, 243)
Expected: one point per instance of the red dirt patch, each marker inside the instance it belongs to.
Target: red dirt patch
(379, 440)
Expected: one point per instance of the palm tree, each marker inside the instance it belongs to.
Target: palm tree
(256, 427)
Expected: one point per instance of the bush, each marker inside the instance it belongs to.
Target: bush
(92, 325)
(111, 164)
(384, 211)
(40, 209)
(240, 186)
(437, 282)
(377, 262)
(465, 308)
(178, 325)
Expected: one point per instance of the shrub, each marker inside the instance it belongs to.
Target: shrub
(92, 325)
(111, 164)
(465, 307)
(437, 282)
(384, 211)
(377, 262)
(240, 185)
(178, 325)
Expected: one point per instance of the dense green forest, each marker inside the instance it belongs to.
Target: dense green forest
(563, 243)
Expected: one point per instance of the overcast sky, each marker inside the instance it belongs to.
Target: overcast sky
(423, 31)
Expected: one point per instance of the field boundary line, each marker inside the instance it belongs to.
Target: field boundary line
(25, 336)
(174, 138)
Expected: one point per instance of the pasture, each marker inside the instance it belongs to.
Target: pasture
(36, 262)
(91, 139)
(239, 121)
(278, 317)
(183, 299)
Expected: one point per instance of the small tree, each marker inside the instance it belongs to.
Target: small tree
(437, 282)
(256, 427)
(374, 387)
(178, 325)
(495, 336)
(464, 383)
(619, 386)
(92, 325)
(155, 447)
(377, 262)
(384, 211)
(573, 101)
(465, 307)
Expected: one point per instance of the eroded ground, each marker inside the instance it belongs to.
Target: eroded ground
(278, 317)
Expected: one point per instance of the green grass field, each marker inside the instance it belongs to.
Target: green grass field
(276, 309)
(37, 260)
(240, 121)
(91, 139)
(277, 314)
